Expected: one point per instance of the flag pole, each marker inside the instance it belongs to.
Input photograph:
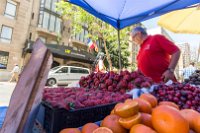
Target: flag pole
(198, 53)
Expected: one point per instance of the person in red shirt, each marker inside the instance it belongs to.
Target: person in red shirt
(157, 57)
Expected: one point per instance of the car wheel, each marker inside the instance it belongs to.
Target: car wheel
(51, 82)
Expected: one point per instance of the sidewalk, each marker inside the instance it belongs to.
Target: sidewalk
(5, 76)
(6, 89)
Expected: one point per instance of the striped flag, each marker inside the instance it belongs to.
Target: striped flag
(91, 44)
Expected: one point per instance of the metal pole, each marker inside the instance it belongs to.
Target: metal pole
(198, 53)
(119, 47)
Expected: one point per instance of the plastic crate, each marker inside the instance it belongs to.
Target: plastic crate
(57, 119)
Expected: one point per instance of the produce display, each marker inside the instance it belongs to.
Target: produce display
(169, 108)
(115, 82)
(194, 78)
(184, 95)
(76, 98)
(130, 117)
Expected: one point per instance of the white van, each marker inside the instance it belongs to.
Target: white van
(63, 75)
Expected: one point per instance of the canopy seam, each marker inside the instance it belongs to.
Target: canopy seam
(122, 9)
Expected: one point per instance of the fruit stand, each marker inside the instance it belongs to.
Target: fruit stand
(91, 102)
(175, 104)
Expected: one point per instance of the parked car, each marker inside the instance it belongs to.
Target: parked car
(63, 75)
(2, 66)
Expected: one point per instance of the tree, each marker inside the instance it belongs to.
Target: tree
(114, 53)
(98, 30)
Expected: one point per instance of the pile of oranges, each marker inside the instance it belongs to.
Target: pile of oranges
(145, 115)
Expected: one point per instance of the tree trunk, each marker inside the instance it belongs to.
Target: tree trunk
(108, 55)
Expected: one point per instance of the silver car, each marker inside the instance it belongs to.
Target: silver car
(64, 75)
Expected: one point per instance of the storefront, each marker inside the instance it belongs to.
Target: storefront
(4, 59)
(64, 55)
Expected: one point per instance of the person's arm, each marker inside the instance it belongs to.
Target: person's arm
(174, 59)
(169, 73)
(170, 48)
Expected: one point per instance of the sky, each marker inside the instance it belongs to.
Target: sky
(192, 39)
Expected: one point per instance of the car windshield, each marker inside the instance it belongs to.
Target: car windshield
(55, 68)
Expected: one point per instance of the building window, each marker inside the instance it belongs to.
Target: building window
(54, 5)
(3, 59)
(58, 25)
(48, 17)
(48, 4)
(6, 34)
(10, 10)
(45, 23)
(52, 23)
(81, 36)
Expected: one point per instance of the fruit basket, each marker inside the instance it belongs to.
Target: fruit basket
(57, 119)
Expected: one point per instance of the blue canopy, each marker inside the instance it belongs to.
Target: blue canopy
(123, 13)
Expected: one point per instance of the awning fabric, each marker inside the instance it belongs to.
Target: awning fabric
(123, 13)
(182, 21)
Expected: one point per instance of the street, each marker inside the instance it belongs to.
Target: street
(6, 89)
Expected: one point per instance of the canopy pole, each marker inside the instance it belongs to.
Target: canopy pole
(119, 48)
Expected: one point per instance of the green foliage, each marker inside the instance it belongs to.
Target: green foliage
(58, 38)
(97, 30)
(114, 52)
(197, 64)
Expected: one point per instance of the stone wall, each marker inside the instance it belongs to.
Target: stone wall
(20, 25)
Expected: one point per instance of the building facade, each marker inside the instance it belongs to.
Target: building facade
(23, 21)
(14, 24)
(185, 58)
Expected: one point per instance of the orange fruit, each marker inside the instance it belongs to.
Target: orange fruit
(102, 130)
(166, 119)
(89, 128)
(70, 130)
(169, 104)
(130, 121)
(127, 109)
(117, 105)
(112, 122)
(150, 98)
(139, 128)
(144, 106)
(190, 115)
(197, 125)
(112, 112)
(128, 100)
(146, 120)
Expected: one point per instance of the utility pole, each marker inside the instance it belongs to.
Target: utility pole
(198, 52)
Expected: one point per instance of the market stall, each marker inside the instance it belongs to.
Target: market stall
(113, 103)
(123, 99)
